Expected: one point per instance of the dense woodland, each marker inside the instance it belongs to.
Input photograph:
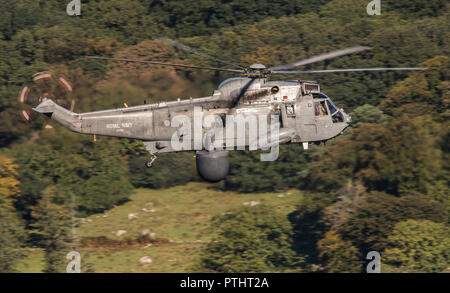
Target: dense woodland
(383, 185)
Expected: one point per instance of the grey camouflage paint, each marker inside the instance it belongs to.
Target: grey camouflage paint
(293, 101)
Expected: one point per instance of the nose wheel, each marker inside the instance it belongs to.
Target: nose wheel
(152, 159)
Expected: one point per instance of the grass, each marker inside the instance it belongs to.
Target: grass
(180, 218)
(33, 261)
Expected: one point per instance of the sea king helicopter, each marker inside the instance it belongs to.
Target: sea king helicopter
(302, 112)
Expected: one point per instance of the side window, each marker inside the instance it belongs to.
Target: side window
(320, 109)
(317, 108)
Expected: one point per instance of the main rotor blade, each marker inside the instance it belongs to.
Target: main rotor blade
(345, 70)
(166, 64)
(194, 51)
(322, 57)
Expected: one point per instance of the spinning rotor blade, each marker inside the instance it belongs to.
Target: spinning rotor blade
(167, 64)
(194, 51)
(345, 70)
(45, 85)
(322, 57)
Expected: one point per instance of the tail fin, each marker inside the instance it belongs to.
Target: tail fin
(46, 107)
(60, 114)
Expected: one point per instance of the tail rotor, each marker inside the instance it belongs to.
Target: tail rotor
(46, 85)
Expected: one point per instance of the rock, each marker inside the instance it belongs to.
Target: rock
(280, 195)
(147, 245)
(145, 232)
(251, 203)
(148, 211)
(149, 204)
(153, 234)
(120, 232)
(132, 216)
(145, 260)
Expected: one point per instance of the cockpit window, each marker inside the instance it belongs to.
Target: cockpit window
(332, 107)
(320, 109)
(320, 96)
(337, 117)
(228, 80)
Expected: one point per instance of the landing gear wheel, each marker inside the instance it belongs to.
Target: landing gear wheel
(152, 159)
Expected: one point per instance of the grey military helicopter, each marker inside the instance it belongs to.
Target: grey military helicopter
(302, 112)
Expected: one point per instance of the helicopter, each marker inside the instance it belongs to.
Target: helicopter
(297, 110)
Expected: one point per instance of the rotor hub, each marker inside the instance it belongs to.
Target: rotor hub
(257, 68)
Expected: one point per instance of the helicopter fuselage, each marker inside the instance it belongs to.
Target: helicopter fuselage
(304, 115)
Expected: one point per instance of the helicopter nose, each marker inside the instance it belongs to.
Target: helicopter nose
(348, 118)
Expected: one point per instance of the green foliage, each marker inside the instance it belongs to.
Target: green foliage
(52, 228)
(367, 114)
(422, 92)
(415, 8)
(418, 246)
(398, 158)
(94, 172)
(308, 224)
(339, 256)
(12, 234)
(194, 17)
(169, 170)
(11, 239)
(371, 223)
(249, 174)
(336, 254)
(251, 239)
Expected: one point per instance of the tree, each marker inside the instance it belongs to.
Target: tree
(12, 234)
(309, 226)
(422, 92)
(251, 239)
(422, 246)
(249, 174)
(400, 158)
(367, 114)
(169, 170)
(416, 8)
(52, 228)
(339, 256)
(371, 223)
(96, 173)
